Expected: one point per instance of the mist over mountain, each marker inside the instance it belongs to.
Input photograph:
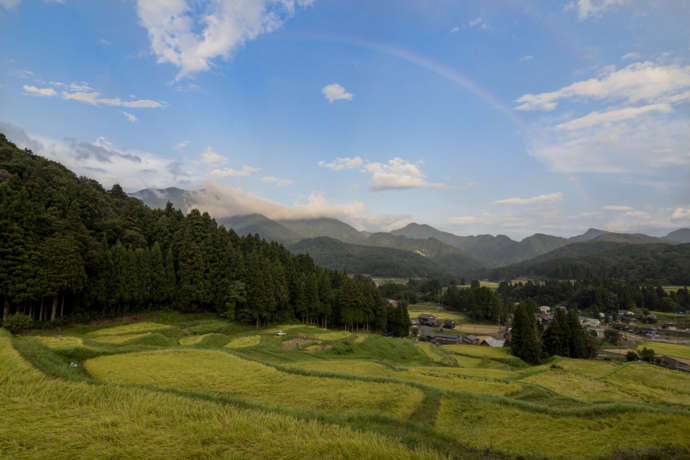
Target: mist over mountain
(432, 252)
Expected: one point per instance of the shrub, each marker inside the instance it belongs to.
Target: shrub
(647, 354)
(631, 356)
(17, 323)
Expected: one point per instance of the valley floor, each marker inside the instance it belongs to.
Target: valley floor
(171, 385)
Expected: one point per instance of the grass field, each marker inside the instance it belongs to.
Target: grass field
(219, 373)
(130, 329)
(675, 351)
(204, 339)
(432, 308)
(439, 377)
(45, 418)
(485, 424)
(243, 342)
(60, 343)
(478, 329)
(141, 389)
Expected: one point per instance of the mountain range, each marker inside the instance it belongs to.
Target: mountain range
(423, 251)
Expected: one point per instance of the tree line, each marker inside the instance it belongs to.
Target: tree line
(71, 249)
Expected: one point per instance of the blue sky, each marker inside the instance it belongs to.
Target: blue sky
(490, 116)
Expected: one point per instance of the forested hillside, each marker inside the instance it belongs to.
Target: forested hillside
(641, 263)
(371, 260)
(71, 248)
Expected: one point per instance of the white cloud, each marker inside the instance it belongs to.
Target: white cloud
(335, 92)
(637, 213)
(638, 82)
(340, 164)
(191, 35)
(597, 118)
(633, 145)
(39, 91)
(455, 29)
(131, 118)
(229, 172)
(681, 214)
(278, 182)
(475, 22)
(397, 174)
(463, 220)
(548, 198)
(615, 207)
(82, 92)
(593, 8)
(9, 4)
(212, 158)
(94, 98)
(181, 145)
(107, 163)
(631, 56)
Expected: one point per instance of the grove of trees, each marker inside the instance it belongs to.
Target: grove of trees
(69, 248)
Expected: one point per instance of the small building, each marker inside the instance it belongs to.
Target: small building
(589, 322)
(443, 339)
(545, 309)
(471, 340)
(426, 319)
(493, 343)
(449, 324)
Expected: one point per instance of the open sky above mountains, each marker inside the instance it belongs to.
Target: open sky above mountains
(509, 117)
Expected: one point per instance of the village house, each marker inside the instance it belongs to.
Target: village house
(426, 319)
(443, 339)
(493, 343)
(471, 340)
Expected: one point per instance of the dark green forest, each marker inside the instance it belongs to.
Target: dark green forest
(73, 251)
(640, 263)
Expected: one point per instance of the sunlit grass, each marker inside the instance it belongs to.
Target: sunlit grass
(60, 342)
(585, 367)
(578, 387)
(218, 339)
(675, 351)
(243, 342)
(478, 329)
(447, 378)
(120, 339)
(45, 418)
(480, 351)
(219, 373)
(331, 336)
(431, 351)
(134, 328)
(485, 424)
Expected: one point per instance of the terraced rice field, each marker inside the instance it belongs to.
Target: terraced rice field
(485, 424)
(215, 338)
(60, 343)
(243, 342)
(406, 399)
(45, 418)
(669, 349)
(120, 339)
(439, 377)
(478, 329)
(129, 329)
(335, 335)
(218, 373)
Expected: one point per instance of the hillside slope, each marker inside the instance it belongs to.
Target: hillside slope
(642, 263)
(370, 260)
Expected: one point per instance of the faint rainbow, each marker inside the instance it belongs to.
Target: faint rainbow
(424, 62)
